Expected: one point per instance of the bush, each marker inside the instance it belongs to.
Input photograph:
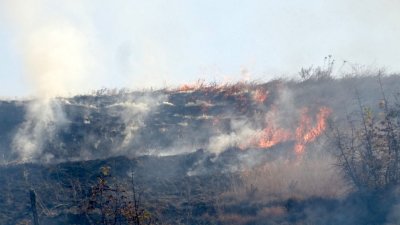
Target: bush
(368, 149)
(109, 203)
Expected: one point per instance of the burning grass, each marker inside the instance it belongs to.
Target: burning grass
(233, 153)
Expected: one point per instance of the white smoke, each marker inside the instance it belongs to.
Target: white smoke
(43, 119)
(133, 114)
(245, 132)
(57, 55)
(242, 134)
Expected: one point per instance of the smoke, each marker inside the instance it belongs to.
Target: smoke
(274, 126)
(241, 135)
(133, 114)
(42, 121)
(57, 51)
(186, 38)
(57, 55)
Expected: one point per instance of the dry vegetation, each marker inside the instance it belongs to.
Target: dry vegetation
(348, 175)
(284, 179)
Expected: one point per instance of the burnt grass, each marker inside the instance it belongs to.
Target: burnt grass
(172, 197)
(187, 188)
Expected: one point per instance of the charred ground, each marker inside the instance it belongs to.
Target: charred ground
(199, 154)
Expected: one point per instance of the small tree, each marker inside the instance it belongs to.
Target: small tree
(109, 203)
(369, 151)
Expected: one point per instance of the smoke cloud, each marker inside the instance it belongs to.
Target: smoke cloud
(133, 113)
(245, 133)
(58, 59)
(43, 120)
(57, 51)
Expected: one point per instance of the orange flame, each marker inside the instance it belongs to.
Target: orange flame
(187, 87)
(307, 130)
(229, 89)
(260, 96)
(304, 133)
(272, 136)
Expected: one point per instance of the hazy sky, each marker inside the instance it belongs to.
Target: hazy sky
(54, 46)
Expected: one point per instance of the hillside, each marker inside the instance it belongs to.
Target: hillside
(244, 153)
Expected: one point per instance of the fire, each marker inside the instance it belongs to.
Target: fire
(303, 134)
(186, 87)
(272, 136)
(199, 85)
(313, 133)
(260, 96)
(306, 130)
(228, 89)
(299, 148)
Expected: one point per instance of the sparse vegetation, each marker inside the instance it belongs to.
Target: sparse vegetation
(319, 73)
(114, 142)
(110, 203)
(369, 147)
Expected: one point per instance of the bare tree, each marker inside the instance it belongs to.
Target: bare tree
(368, 148)
(110, 203)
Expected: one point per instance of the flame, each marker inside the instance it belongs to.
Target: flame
(299, 148)
(237, 91)
(303, 134)
(228, 89)
(186, 87)
(260, 96)
(306, 130)
(199, 85)
(272, 136)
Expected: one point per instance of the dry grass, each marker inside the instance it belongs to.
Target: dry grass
(275, 211)
(234, 219)
(283, 179)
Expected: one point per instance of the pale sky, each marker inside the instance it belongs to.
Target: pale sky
(80, 45)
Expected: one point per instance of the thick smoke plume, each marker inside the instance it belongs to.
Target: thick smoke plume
(57, 52)
(57, 57)
(43, 119)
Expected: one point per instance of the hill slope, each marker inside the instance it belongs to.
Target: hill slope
(200, 154)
